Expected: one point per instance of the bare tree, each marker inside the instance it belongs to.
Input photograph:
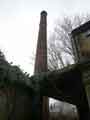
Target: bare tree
(60, 50)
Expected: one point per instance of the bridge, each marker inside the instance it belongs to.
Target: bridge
(65, 85)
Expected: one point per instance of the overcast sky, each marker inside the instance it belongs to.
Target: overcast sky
(19, 21)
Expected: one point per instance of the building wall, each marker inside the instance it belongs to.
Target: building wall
(14, 104)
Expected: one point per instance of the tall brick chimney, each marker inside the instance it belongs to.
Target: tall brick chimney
(41, 59)
(41, 52)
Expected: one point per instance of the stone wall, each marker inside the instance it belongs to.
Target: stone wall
(15, 103)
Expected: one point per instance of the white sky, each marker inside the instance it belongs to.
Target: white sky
(19, 21)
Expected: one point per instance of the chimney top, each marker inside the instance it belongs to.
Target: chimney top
(44, 13)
